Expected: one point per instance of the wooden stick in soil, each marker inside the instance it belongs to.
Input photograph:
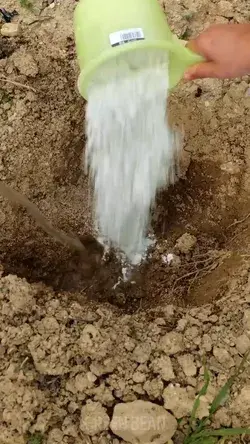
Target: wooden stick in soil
(237, 222)
(17, 198)
(18, 84)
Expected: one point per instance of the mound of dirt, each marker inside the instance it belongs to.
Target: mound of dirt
(82, 358)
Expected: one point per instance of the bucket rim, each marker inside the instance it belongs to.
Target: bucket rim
(174, 46)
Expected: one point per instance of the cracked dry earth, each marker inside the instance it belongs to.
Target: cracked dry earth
(82, 362)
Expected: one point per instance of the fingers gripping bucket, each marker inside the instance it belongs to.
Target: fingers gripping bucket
(106, 29)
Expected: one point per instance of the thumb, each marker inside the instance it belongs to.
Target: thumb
(202, 71)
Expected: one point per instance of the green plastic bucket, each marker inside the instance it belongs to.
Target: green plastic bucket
(104, 29)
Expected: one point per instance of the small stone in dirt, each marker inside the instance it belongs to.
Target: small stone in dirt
(72, 407)
(241, 404)
(94, 419)
(171, 343)
(48, 325)
(22, 303)
(178, 400)
(223, 357)
(129, 344)
(55, 436)
(222, 418)
(187, 364)
(242, 344)
(139, 377)
(142, 353)
(163, 366)
(25, 62)
(171, 259)
(185, 243)
(207, 344)
(192, 333)
(84, 381)
(143, 422)
(225, 9)
(10, 29)
(102, 369)
(181, 325)
(154, 388)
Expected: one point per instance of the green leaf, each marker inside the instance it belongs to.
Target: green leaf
(197, 433)
(26, 4)
(221, 396)
(35, 439)
(204, 440)
(196, 405)
(225, 390)
(223, 432)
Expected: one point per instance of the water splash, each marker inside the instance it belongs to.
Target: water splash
(131, 151)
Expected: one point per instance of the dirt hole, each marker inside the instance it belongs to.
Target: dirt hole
(180, 209)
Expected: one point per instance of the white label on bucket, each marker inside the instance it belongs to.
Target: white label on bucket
(126, 36)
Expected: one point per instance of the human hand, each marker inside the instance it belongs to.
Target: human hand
(226, 49)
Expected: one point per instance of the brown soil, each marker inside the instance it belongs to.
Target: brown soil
(71, 344)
